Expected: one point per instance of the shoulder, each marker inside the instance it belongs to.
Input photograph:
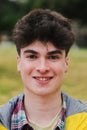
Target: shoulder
(2, 128)
(7, 108)
(79, 120)
(11, 103)
(76, 113)
(74, 106)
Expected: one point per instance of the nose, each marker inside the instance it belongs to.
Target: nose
(43, 66)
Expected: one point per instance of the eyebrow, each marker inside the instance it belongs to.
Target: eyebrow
(48, 53)
(55, 52)
(30, 51)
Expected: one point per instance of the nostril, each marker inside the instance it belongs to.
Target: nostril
(40, 70)
(44, 69)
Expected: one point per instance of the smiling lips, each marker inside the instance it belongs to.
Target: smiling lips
(43, 78)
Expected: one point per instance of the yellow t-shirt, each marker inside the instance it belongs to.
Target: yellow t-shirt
(77, 121)
(2, 128)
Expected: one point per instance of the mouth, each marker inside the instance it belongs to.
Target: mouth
(43, 78)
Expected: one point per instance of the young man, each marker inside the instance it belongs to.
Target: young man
(43, 39)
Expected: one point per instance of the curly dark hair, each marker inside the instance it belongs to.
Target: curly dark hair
(43, 25)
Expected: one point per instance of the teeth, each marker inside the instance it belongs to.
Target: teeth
(43, 79)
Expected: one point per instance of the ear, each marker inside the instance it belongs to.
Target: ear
(66, 63)
(18, 63)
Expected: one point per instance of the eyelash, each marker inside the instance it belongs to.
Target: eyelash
(32, 57)
(51, 57)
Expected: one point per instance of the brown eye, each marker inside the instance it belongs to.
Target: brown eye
(53, 57)
(31, 57)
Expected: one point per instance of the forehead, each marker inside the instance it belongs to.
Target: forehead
(40, 46)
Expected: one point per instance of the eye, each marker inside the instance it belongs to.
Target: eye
(31, 57)
(53, 57)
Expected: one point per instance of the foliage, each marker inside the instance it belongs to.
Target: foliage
(76, 9)
(12, 10)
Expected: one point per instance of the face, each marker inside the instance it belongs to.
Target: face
(42, 68)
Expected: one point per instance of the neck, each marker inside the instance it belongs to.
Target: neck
(44, 108)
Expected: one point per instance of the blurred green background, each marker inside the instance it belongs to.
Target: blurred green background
(75, 82)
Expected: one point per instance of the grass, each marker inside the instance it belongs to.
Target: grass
(75, 82)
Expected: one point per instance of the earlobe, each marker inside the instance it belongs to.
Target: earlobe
(66, 70)
(18, 63)
(66, 60)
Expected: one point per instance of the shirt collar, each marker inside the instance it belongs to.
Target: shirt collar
(19, 119)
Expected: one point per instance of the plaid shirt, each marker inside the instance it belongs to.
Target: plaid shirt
(20, 122)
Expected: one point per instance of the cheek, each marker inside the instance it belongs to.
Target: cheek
(59, 68)
(26, 68)
(25, 73)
